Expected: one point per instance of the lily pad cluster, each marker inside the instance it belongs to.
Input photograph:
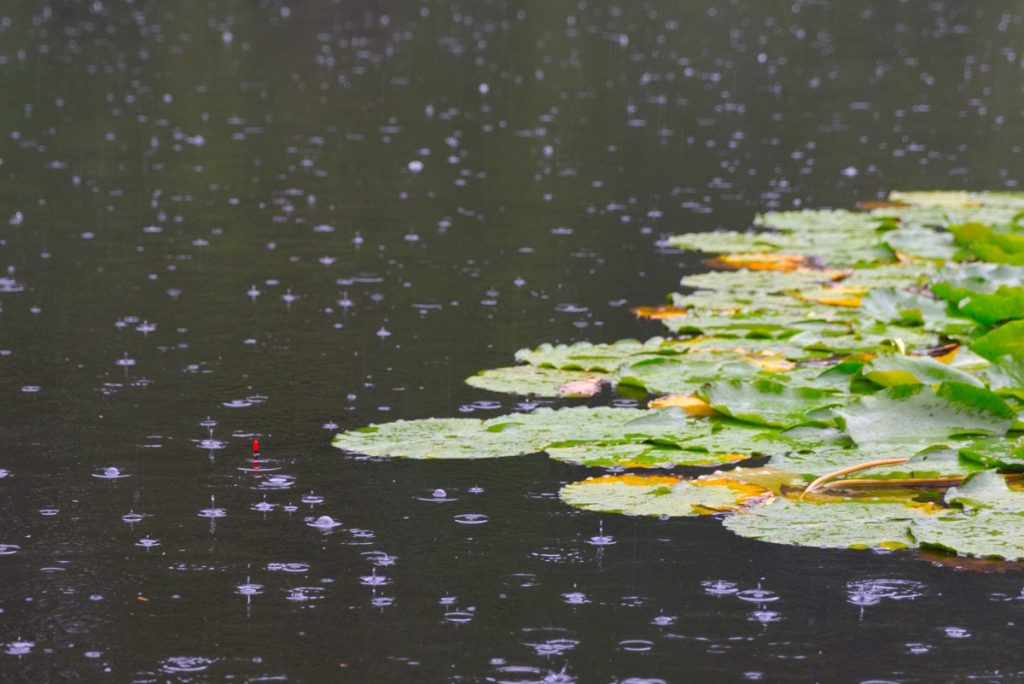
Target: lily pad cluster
(861, 374)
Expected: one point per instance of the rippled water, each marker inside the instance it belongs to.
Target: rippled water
(222, 222)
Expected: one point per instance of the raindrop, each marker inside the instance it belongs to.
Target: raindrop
(110, 473)
(470, 518)
(19, 648)
(212, 511)
(132, 517)
(324, 522)
(719, 587)
(148, 542)
(601, 539)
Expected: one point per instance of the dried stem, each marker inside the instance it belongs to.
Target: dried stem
(850, 469)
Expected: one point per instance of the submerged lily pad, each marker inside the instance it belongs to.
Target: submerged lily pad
(605, 358)
(986, 490)
(660, 495)
(839, 525)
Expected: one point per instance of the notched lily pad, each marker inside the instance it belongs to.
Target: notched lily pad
(534, 381)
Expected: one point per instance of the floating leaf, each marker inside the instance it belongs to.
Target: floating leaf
(986, 489)
(535, 381)
(639, 455)
(888, 370)
(839, 525)
(1006, 340)
(918, 414)
(517, 433)
(659, 495)
(938, 461)
(984, 534)
(687, 402)
(765, 402)
(922, 243)
(596, 357)
(812, 220)
(763, 261)
(657, 313)
(760, 281)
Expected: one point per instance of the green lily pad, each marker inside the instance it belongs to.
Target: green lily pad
(1005, 453)
(918, 414)
(990, 534)
(640, 455)
(517, 433)
(891, 305)
(839, 525)
(888, 370)
(685, 372)
(766, 402)
(659, 495)
(1005, 375)
(935, 461)
(922, 243)
(601, 358)
(745, 280)
(812, 220)
(531, 380)
(1006, 340)
(986, 489)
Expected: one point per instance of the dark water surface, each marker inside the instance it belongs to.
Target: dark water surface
(226, 220)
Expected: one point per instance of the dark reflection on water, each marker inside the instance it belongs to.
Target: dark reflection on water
(230, 221)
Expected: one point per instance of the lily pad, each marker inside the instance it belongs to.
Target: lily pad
(660, 495)
(839, 525)
(532, 380)
(602, 358)
(986, 489)
(766, 402)
(991, 534)
(1006, 340)
(639, 456)
(517, 433)
(918, 414)
(888, 370)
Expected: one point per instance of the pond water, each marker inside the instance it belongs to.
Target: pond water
(227, 221)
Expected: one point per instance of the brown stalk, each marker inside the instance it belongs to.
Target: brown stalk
(850, 469)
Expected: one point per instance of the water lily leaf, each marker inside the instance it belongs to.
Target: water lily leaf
(980, 277)
(776, 325)
(900, 275)
(891, 305)
(685, 372)
(932, 462)
(639, 455)
(986, 489)
(1005, 375)
(1006, 340)
(533, 380)
(765, 402)
(1005, 303)
(955, 199)
(606, 358)
(984, 534)
(812, 220)
(839, 525)
(896, 369)
(729, 242)
(759, 281)
(1003, 453)
(921, 243)
(762, 261)
(918, 414)
(518, 433)
(660, 495)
